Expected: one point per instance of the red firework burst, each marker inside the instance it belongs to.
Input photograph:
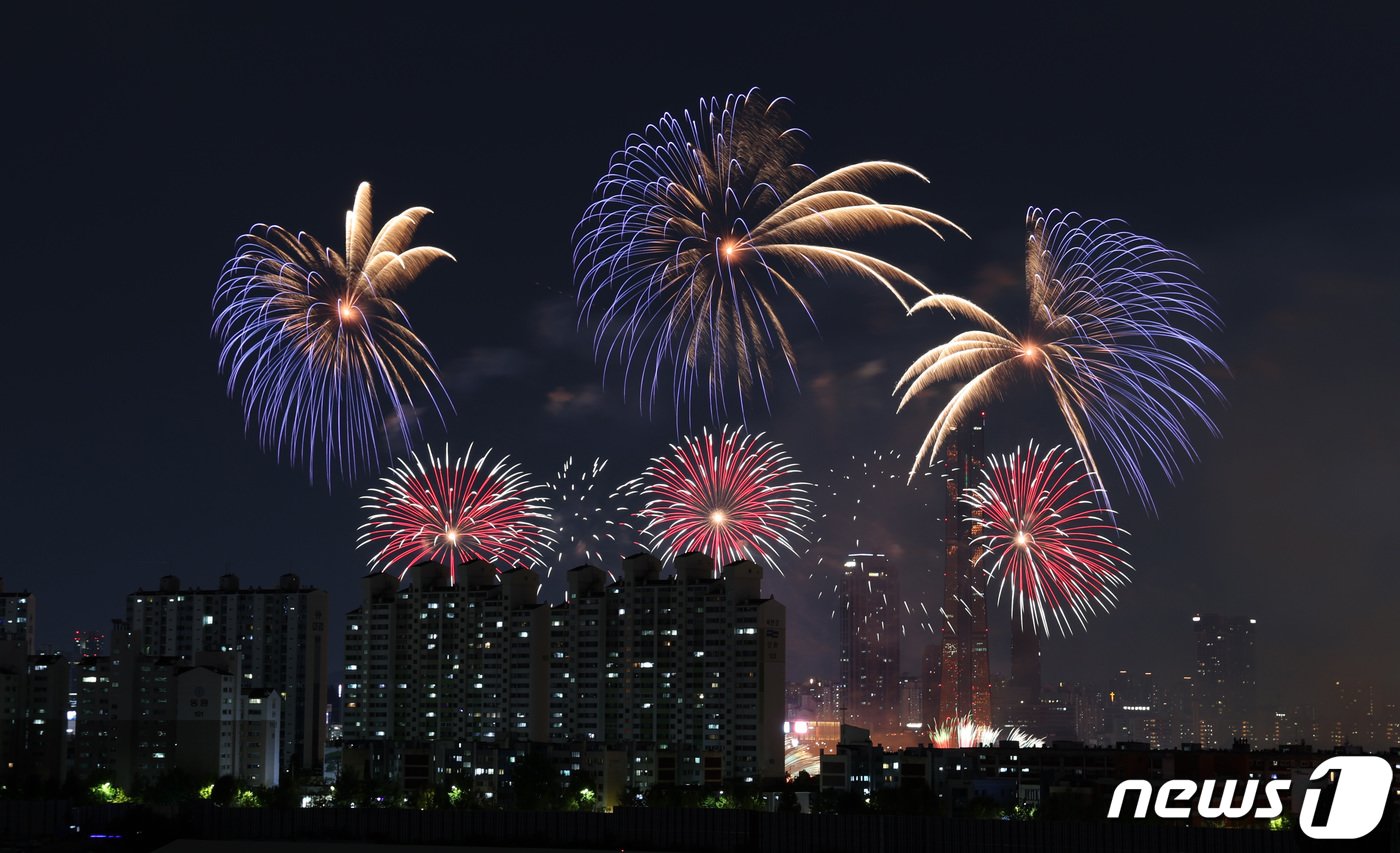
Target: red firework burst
(732, 496)
(1048, 536)
(454, 511)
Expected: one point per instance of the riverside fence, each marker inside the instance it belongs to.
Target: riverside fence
(648, 829)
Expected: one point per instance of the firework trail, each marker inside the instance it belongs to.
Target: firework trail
(733, 496)
(453, 511)
(862, 498)
(321, 357)
(702, 226)
(850, 489)
(590, 520)
(1109, 332)
(1046, 538)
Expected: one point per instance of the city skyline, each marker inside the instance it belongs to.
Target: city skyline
(149, 132)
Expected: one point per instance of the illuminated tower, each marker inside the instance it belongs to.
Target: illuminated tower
(870, 643)
(966, 681)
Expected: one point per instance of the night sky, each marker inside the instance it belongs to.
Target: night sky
(141, 144)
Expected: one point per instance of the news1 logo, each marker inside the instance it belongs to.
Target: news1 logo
(1357, 785)
(1344, 797)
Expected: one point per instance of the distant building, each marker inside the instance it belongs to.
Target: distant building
(33, 717)
(1136, 710)
(965, 679)
(1064, 714)
(1019, 701)
(95, 736)
(813, 699)
(1226, 681)
(870, 639)
(88, 644)
(278, 633)
(932, 674)
(142, 717)
(18, 614)
(680, 676)
(962, 780)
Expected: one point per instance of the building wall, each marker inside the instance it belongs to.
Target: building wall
(33, 718)
(18, 617)
(1226, 679)
(685, 673)
(205, 715)
(279, 634)
(95, 739)
(870, 641)
(965, 668)
(258, 731)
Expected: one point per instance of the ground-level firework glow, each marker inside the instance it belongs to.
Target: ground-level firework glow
(732, 496)
(453, 510)
(1046, 539)
(963, 733)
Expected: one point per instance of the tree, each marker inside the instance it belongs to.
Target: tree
(534, 784)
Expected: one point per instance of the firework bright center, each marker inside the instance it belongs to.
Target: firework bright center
(718, 518)
(347, 313)
(1023, 539)
(452, 535)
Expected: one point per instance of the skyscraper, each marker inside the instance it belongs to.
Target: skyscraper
(870, 643)
(1020, 703)
(965, 680)
(1225, 680)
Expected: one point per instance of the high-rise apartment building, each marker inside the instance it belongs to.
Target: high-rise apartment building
(95, 738)
(1226, 682)
(870, 637)
(278, 633)
(965, 680)
(33, 717)
(142, 717)
(434, 664)
(684, 673)
(18, 614)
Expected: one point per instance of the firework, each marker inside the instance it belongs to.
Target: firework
(963, 733)
(590, 520)
(1046, 537)
(871, 498)
(865, 478)
(702, 226)
(321, 357)
(733, 496)
(453, 511)
(1109, 331)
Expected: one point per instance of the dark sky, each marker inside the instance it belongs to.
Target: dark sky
(142, 143)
